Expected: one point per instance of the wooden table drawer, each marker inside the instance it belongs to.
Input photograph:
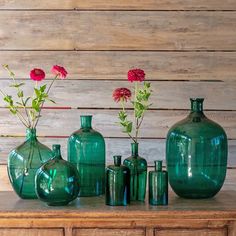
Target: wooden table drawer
(108, 232)
(31, 232)
(191, 232)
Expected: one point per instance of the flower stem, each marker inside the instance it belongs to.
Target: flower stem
(44, 100)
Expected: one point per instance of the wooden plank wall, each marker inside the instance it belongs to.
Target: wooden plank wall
(186, 47)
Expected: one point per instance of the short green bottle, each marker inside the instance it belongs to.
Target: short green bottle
(138, 174)
(158, 185)
(57, 181)
(117, 184)
(86, 150)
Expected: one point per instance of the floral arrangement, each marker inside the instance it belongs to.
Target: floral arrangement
(28, 108)
(140, 103)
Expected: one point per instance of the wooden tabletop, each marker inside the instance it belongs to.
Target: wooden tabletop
(221, 206)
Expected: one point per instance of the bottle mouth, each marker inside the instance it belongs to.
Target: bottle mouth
(197, 99)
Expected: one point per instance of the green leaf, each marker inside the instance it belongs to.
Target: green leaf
(20, 94)
(122, 115)
(26, 100)
(42, 88)
(13, 111)
(37, 92)
(129, 127)
(17, 85)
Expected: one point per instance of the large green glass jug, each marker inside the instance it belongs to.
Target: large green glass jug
(196, 153)
(23, 163)
(86, 150)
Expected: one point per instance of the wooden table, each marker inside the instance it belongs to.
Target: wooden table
(90, 216)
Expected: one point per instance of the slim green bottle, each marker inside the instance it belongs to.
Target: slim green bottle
(158, 185)
(138, 174)
(57, 181)
(86, 150)
(117, 184)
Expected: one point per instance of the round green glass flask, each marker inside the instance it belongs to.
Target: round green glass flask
(196, 153)
(57, 181)
(23, 163)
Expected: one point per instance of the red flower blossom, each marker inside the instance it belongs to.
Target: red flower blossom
(59, 71)
(121, 94)
(37, 74)
(136, 75)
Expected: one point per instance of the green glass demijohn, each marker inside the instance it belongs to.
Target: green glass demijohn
(196, 153)
(86, 150)
(117, 184)
(57, 181)
(23, 163)
(158, 185)
(138, 174)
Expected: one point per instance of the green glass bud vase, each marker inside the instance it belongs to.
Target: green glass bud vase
(57, 181)
(158, 185)
(117, 184)
(23, 163)
(196, 152)
(138, 174)
(86, 150)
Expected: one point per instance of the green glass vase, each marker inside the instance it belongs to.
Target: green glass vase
(23, 163)
(158, 185)
(138, 174)
(196, 152)
(117, 184)
(86, 150)
(57, 181)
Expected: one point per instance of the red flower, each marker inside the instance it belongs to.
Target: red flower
(136, 75)
(121, 94)
(59, 71)
(37, 74)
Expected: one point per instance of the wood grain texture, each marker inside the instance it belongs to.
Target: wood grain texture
(120, 4)
(151, 149)
(166, 94)
(108, 232)
(65, 121)
(114, 65)
(31, 232)
(192, 232)
(119, 30)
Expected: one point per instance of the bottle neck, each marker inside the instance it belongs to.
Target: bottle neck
(56, 148)
(134, 149)
(31, 134)
(197, 104)
(158, 165)
(86, 122)
(117, 160)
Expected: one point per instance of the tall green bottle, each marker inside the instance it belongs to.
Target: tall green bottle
(158, 185)
(117, 184)
(196, 152)
(86, 150)
(138, 174)
(23, 163)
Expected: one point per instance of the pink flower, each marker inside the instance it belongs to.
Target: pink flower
(37, 74)
(121, 94)
(136, 75)
(59, 71)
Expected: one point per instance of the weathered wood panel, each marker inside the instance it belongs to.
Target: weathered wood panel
(228, 185)
(114, 65)
(150, 149)
(108, 232)
(31, 232)
(119, 30)
(192, 232)
(63, 122)
(120, 4)
(166, 94)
